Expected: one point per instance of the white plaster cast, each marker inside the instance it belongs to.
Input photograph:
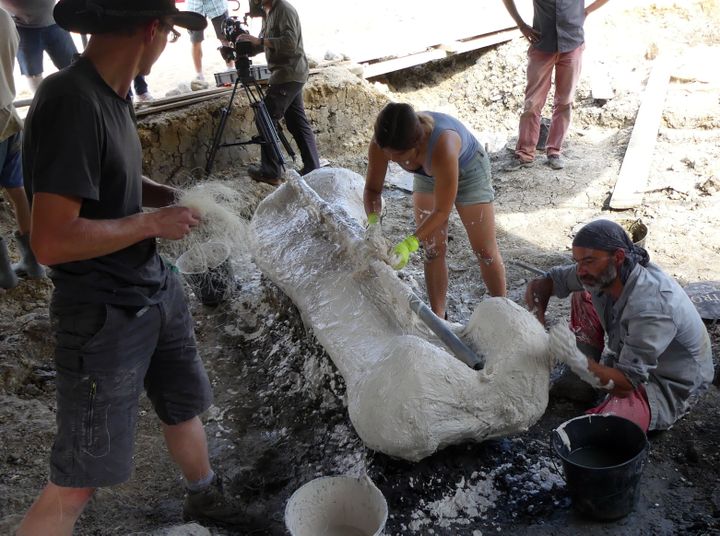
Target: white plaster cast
(407, 395)
(563, 346)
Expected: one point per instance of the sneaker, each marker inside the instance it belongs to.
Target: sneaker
(256, 174)
(517, 163)
(555, 161)
(198, 83)
(211, 505)
(145, 97)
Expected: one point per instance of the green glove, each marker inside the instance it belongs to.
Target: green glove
(403, 250)
(373, 218)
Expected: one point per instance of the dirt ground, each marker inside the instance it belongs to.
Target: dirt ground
(279, 417)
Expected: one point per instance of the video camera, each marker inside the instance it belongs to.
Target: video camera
(238, 51)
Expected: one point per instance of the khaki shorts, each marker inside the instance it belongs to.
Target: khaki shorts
(474, 182)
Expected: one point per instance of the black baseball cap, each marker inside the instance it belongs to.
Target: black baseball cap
(102, 16)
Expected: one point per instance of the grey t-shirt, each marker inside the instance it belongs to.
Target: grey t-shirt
(81, 140)
(654, 335)
(30, 13)
(560, 23)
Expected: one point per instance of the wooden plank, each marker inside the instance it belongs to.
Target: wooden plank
(456, 47)
(633, 176)
(179, 103)
(395, 64)
(483, 41)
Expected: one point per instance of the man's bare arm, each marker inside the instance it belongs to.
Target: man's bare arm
(60, 235)
(156, 195)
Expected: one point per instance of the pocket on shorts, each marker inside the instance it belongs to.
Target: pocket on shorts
(95, 431)
(79, 327)
(107, 409)
(82, 421)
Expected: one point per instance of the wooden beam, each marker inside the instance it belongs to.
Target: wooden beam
(475, 43)
(395, 64)
(632, 179)
(437, 52)
(186, 99)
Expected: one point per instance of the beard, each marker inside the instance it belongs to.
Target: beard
(602, 281)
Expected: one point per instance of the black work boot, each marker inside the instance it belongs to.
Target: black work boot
(211, 505)
(8, 279)
(28, 265)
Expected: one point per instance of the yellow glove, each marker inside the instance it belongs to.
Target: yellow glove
(373, 218)
(403, 250)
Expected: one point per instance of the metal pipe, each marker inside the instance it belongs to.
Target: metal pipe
(532, 269)
(452, 341)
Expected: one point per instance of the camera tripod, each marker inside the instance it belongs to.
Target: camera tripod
(268, 133)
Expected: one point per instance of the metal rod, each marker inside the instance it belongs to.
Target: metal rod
(452, 341)
(533, 269)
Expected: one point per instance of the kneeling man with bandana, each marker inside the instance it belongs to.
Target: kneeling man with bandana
(654, 351)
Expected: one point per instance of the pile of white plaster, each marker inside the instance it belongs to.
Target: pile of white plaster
(407, 395)
(473, 498)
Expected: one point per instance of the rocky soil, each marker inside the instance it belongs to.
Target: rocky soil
(279, 417)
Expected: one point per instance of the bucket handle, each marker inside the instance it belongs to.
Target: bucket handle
(552, 459)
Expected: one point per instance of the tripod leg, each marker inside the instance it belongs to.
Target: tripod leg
(285, 142)
(216, 141)
(224, 113)
(268, 131)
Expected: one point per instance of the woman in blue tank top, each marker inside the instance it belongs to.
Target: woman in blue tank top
(450, 167)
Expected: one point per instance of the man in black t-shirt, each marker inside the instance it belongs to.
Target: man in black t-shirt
(119, 315)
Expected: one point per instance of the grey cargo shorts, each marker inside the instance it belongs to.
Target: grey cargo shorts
(106, 355)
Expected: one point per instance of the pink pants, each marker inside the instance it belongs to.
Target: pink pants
(567, 67)
(584, 321)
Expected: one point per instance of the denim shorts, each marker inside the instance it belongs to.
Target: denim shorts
(105, 357)
(197, 36)
(11, 175)
(51, 39)
(474, 183)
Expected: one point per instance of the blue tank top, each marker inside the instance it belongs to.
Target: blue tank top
(441, 123)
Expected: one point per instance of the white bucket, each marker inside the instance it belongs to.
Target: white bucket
(337, 506)
(206, 267)
(202, 257)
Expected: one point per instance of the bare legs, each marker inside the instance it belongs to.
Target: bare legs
(435, 246)
(479, 223)
(57, 508)
(187, 445)
(55, 511)
(197, 55)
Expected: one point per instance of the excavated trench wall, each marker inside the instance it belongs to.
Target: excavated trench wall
(340, 106)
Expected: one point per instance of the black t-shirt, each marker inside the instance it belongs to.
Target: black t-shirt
(81, 140)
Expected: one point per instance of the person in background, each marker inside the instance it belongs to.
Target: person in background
(557, 42)
(11, 178)
(39, 34)
(120, 318)
(450, 167)
(142, 93)
(217, 12)
(658, 357)
(281, 40)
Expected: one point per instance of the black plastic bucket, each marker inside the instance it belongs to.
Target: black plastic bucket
(603, 457)
(207, 270)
